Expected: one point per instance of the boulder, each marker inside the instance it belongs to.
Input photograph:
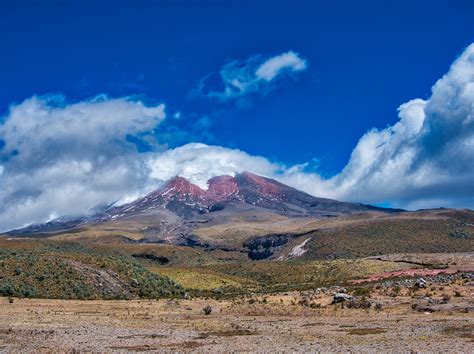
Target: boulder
(341, 297)
(421, 283)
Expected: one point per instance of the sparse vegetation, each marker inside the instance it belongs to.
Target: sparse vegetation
(376, 237)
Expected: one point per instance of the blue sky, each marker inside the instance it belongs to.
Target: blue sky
(365, 59)
(152, 74)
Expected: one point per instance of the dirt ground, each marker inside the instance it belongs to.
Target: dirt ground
(264, 324)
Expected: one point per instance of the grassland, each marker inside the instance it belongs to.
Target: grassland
(202, 278)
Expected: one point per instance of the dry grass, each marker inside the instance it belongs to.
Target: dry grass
(199, 279)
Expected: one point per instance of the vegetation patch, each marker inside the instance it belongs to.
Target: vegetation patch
(198, 278)
(75, 272)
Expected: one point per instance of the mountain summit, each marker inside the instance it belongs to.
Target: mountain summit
(186, 199)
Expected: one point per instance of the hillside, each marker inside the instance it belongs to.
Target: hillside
(71, 271)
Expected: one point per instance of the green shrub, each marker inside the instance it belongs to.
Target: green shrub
(7, 289)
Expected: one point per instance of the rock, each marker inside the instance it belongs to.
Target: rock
(341, 297)
(421, 283)
(134, 282)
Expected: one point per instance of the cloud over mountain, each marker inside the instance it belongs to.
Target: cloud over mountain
(59, 158)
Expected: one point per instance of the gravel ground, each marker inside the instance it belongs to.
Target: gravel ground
(277, 325)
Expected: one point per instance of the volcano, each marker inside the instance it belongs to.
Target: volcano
(187, 200)
(180, 202)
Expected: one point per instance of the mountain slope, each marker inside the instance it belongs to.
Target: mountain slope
(187, 199)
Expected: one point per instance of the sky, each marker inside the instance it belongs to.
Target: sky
(101, 102)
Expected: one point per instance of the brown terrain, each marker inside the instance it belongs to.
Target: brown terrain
(278, 322)
(392, 311)
(247, 265)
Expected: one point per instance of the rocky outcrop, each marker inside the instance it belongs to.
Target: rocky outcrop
(264, 247)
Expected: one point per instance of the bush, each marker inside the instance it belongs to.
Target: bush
(460, 234)
(7, 290)
(303, 302)
(82, 292)
(28, 291)
(207, 310)
(362, 291)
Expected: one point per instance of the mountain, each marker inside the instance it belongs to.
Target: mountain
(187, 200)
(179, 204)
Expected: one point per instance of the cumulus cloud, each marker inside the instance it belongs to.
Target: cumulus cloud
(427, 158)
(62, 159)
(253, 75)
(59, 158)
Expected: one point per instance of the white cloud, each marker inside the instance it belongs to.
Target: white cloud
(424, 160)
(273, 66)
(427, 158)
(98, 126)
(64, 158)
(253, 75)
(200, 162)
